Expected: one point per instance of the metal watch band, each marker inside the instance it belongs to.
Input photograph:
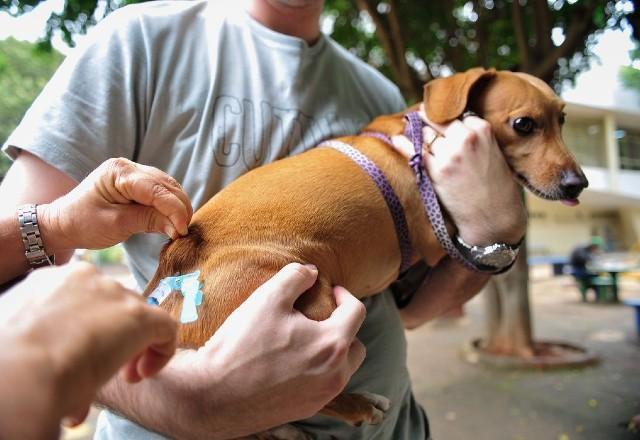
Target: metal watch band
(30, 232)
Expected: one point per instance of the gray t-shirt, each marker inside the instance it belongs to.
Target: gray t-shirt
(205, 93)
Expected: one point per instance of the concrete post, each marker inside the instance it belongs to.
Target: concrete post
(612, 151)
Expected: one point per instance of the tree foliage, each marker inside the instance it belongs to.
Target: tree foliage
(76, 17)
(629, 75)
(414, 41)
(24, 71)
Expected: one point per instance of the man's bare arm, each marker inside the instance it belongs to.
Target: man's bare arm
(117, 199)
(447, 285)
(29, 180)
(479, 192)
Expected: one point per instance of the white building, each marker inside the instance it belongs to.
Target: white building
(605, 137)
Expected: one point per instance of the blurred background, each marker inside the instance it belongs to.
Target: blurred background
(540, 354)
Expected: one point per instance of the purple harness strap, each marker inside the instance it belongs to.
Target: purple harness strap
(383, 137)
(393, 203)
(413, 131)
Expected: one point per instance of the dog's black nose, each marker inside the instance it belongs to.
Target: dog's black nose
(572, 183)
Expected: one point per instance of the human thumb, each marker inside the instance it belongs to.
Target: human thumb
(288, 284)
(148, 219)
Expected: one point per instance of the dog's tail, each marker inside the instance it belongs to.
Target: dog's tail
(179, 256)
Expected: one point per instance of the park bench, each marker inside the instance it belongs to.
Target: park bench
(603, 286)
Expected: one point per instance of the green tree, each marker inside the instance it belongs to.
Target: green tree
(76, 17)
(24, 70)
(629, 75)
(413, 42)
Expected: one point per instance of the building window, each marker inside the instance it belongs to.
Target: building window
(585, 138)
(629, 145)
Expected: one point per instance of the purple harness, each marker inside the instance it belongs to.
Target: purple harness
(413, 131)
(393, 203)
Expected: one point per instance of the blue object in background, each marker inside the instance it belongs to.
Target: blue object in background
(635, 303)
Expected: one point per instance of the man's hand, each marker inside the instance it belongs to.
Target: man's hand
(65, 331)
(275, 363)
(474, 182)
(118, 199)
(266, 365)
(478, 190)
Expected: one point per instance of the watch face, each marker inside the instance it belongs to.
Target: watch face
(491, 258)
(497, 258)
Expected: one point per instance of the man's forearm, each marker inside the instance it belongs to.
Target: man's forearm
(155, 403)
(29, 180)
(447, 286)
(174, 405)
(32, 396)
(13, 262)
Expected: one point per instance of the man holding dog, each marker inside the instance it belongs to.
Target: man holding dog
(205, 96)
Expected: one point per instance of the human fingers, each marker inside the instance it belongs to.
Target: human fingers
(349, 313)
(357, 353)
(154, 358)
(151, 190)
(142, 218)
(144, 365)
(172, 184)
(129, 371)
(462, 135)
(469, 118)
(127, 327)
(123, 181)
(156, 345)
(76, 416)
(440, 128)
(477, 124)
(287, 285)
(463, 149)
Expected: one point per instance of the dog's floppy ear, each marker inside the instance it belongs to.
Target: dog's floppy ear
(445, 99)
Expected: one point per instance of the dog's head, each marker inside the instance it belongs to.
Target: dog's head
(526, 117)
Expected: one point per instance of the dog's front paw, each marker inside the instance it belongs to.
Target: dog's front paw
(379, 407)
(282, 432)
(358, 408)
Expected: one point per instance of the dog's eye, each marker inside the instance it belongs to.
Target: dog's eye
(562, 116)
(524, 125)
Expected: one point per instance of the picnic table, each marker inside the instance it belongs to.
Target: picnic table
(612, 265)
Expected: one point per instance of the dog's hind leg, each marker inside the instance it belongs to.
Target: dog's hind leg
(318, 302)
(354, 408)
(358, 408)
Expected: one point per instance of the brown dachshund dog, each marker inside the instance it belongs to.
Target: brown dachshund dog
(319, 207)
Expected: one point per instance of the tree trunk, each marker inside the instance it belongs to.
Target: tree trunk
(509, 329)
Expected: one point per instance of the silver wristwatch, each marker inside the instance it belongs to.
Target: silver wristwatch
(33, 246)
(495, 258)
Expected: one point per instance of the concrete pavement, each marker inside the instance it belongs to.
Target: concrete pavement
(473, 402)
